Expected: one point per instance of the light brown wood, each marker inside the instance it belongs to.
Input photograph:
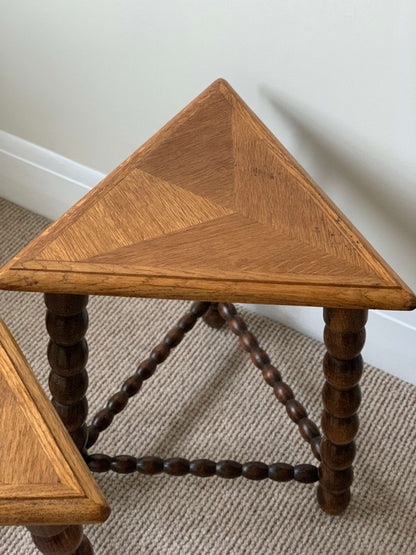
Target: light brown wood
(43, 478)
(211, 207)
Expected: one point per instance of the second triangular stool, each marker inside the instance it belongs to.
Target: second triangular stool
(44, 481)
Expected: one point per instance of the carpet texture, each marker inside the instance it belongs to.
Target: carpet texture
(208, 400)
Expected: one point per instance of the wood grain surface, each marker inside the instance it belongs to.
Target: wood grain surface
(211, 207)
(43, 478)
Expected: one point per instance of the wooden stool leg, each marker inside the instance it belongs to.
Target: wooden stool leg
(62, 540)
(212, 317)
(344, 337)
(67, 323)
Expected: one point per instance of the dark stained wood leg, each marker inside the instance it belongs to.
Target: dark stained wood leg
(344, 337)
(67, 323)
(63, 540)
(85, 547)
(212, 317)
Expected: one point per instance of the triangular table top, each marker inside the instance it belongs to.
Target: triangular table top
(212, 207)
(43, 478)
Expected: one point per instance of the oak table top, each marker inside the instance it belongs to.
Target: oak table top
(43, 478)
(212, 207)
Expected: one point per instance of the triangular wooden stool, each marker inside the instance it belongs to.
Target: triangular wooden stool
(213, 208)
(43, 478)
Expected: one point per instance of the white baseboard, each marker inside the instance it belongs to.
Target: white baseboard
(41, 180)
(48, 184)
(390, 342)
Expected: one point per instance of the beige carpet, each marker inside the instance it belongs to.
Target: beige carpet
(208, 400)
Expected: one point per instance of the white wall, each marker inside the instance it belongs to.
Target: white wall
(334, 80)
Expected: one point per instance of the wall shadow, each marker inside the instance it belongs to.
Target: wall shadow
(368, 181)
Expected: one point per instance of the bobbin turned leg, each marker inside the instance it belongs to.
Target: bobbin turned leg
(67, 322)
(344, 337)
(63, 540)
(212, 317)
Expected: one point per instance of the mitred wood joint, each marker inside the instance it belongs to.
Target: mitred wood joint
(344, 337)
